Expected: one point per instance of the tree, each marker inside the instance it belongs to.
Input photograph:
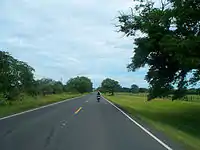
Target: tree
(79, 84)
(58, 87)
(45, 86)
(125, 89)
(110, 85)
(15, 76)
(17, 79)
(143, 90)
(49, 86)
(169, 44)
(134, 88)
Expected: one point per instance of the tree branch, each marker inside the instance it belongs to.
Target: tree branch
(164, 4)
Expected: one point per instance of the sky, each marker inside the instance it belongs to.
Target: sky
(61, 39)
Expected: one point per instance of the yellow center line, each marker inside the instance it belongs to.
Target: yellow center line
(78, 110)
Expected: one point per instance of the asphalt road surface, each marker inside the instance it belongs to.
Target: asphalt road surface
(79, 124)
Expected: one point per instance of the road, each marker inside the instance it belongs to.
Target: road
(80, 124)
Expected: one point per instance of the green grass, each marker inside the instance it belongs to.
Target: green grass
(30, 102)
(179, 119)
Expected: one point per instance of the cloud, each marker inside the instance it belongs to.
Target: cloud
(63, 39)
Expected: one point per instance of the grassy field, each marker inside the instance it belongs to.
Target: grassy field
(189, 98)
(179, 120)
(30, 102)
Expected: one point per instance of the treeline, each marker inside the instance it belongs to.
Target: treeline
(189, 91)
(193, 91)
(17, 78)
(110, 86)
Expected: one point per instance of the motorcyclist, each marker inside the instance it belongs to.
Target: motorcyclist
(98, 95)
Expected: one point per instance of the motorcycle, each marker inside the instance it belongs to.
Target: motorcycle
(98, 98)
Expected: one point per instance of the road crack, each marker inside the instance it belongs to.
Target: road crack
(49, 137)
(8, 132)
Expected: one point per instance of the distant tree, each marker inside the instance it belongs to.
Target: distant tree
(33, 89)
(192, 91)
(79, 84)
(58, 87)
(198, 91)
(143, 90)
(99, 89)
(119, 88)
(110, 85)
(46, 86)
(17, 80)
(134, 88)
(125, 89)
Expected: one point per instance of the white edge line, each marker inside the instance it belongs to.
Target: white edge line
(34, 109)
(145, 130)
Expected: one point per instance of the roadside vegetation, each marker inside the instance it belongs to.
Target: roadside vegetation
(177, 119)
(20, 90)
(29, 102)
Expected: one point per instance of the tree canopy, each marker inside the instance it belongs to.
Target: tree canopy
(15, 75)
(110, 85)
(79, 84)
(169, 44)
(134, 88)
(17, 78)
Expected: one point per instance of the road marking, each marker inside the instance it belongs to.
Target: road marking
(63, 122)
(76, 112)
(31, 110)
(145, 130)
(86, 101)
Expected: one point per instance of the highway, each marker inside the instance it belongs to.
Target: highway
(78, 124)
